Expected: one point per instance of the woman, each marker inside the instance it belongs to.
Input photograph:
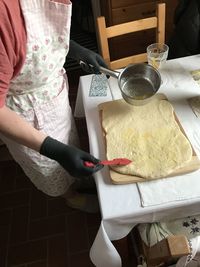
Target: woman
(35, 116)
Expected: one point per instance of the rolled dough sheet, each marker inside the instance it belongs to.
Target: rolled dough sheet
(148, 135)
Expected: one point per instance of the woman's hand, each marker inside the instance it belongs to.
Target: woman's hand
(70, 158)
(91, 60)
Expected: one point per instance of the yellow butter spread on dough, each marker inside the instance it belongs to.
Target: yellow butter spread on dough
(148, 135)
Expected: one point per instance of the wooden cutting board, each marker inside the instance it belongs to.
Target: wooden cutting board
(118, 178)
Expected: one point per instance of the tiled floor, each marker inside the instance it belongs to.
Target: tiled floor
(41, 231)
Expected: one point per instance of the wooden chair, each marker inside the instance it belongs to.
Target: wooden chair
(105, 33)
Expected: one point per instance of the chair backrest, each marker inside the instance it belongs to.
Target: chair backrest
(105, 33)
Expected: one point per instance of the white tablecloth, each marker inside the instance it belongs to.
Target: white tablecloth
(121, 205)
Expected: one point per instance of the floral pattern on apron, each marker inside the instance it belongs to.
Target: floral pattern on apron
(40, 92)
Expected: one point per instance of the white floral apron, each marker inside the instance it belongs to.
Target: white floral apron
(40, 92)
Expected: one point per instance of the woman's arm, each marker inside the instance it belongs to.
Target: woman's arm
(70, 158)
(17, 129)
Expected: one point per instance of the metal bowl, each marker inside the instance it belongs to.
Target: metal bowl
(138, 82)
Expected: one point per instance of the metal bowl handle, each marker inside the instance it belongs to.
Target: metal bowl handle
(106, 71)
(109, 72)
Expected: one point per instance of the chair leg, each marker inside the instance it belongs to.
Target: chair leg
(135, 246)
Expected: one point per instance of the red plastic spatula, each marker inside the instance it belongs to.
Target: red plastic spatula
(118, 161)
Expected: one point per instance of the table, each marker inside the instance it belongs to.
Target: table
(120, 205)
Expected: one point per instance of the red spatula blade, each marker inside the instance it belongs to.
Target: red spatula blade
(89, 164)
(118, 161)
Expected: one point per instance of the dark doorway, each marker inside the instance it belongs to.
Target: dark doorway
(82, 29)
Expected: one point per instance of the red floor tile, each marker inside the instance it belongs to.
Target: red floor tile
(4, 234)
(57, 206)
(3, 256)
(27, 253)
(7, 176)
(81, 259)
(37, 264)
(77, 232)
(47, 227)
(38, 205)
(19, 225)
(5, 217)
(14, 199)
(58, 252)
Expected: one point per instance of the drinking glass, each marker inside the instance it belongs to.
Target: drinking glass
(157, 54)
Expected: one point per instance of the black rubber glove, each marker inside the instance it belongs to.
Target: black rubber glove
(90, 60)
(70, 158)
